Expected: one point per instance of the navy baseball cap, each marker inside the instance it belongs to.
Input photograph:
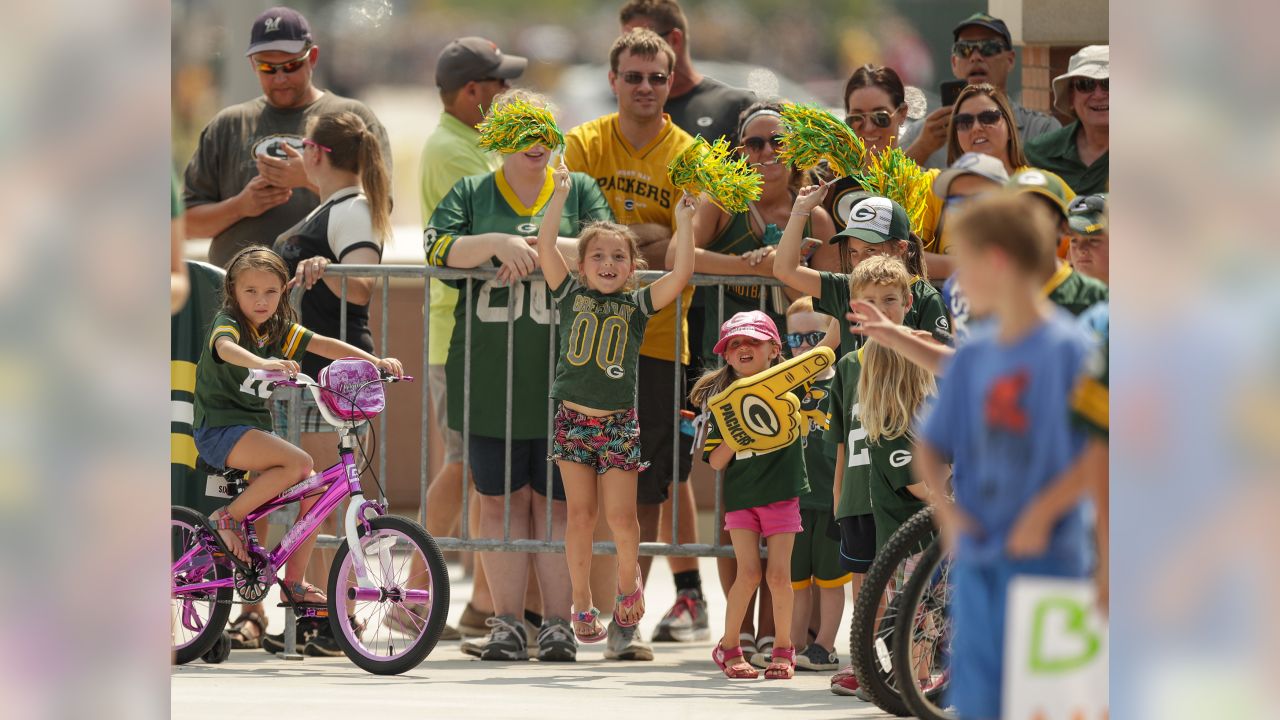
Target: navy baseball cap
(982, 19)
(279, 29)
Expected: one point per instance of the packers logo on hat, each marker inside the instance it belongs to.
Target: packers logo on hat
(758, 414)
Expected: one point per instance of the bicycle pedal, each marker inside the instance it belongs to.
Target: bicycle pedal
(304, 610)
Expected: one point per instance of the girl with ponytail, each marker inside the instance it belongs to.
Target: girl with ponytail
(343, 158)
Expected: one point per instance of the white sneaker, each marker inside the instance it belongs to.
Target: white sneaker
(625, 644)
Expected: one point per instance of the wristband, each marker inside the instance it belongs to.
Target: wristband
(801, 214)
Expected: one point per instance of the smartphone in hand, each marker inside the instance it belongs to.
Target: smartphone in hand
(950, 90)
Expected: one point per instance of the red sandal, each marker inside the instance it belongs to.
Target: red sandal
(782, 665)
(739, 670)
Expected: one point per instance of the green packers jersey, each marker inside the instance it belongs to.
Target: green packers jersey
(486, 204)
(1074, 292)
(891, 502)
(927, 311)
(846, 428)
(1091, 399)
(600, 337)
(757, 480)
(819, 451)
(225, 393)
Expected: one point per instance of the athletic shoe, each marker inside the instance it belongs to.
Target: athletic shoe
(474, 646)
(847, 686)
(305, 629)
(816, 657)
(507, 639)
(556, 642)
(322, 643)
(623, 643)
(686, 621)
(472, 622)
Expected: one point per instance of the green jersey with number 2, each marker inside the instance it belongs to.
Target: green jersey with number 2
(846, 427)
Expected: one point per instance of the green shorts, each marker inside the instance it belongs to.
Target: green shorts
(816, 556)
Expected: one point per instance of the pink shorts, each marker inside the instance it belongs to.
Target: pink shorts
(778, 517)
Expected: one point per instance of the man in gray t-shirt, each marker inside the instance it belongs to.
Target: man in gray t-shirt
(245, 183)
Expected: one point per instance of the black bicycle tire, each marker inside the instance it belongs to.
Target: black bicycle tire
(918, 702)
(439, 599)
(222, 599)
(911, 538)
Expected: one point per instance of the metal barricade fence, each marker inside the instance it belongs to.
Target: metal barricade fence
(466, 541)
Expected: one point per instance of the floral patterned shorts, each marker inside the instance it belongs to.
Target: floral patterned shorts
(612, 441)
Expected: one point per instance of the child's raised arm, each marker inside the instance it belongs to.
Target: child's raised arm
(667, 288)
(786, 261)
(554, 268)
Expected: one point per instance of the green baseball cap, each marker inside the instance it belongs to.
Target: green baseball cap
(1045, 184)
(876, 219)
(1087, 214)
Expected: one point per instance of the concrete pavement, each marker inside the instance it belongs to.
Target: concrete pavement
(682, 682)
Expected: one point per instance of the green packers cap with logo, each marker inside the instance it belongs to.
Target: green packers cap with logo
(876, 219)
(1046, 185)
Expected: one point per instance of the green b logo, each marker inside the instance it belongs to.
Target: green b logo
(1061, 639)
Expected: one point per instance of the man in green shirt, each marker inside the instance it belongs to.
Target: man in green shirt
(470, 72)
(1079, 152)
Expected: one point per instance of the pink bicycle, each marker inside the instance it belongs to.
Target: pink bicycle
(364, 586)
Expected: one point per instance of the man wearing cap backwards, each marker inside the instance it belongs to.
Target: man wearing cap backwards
(470, 72)
(1090, 241)
(982, 53)
(1079, 151)
(971, 175)
(245, 184)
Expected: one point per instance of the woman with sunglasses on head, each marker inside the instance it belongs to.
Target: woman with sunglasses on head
(343, 160)
(744, 243)
(876, 107)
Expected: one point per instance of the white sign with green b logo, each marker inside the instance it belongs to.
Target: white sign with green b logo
(1055, 651)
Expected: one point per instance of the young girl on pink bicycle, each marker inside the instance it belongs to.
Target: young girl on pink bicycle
(258, 329)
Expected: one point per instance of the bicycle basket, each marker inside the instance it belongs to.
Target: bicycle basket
(351, 389)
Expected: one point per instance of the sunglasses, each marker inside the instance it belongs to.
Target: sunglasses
(879, 118)
(314, 144)
(635, 78)
(988, 48)
(988, 118)
(795, 340)
(1084, 85)
(756, 143)
(288, 66)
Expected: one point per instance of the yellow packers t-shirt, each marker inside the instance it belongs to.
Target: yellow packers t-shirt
(634, 181)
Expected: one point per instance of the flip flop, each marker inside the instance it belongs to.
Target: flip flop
(626, 602)
(587, 626)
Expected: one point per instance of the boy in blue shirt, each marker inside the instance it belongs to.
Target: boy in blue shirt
(1002, 415)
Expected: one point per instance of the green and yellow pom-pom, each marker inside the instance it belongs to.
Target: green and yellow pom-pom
(898, 177)
(517, 126)
(712, 169)
(812, 135)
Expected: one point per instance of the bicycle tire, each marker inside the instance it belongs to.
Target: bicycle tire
(868, 638)
(355, 644)
(185, 526)
(932, 592)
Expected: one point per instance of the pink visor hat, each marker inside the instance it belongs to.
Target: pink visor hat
(753, 324)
